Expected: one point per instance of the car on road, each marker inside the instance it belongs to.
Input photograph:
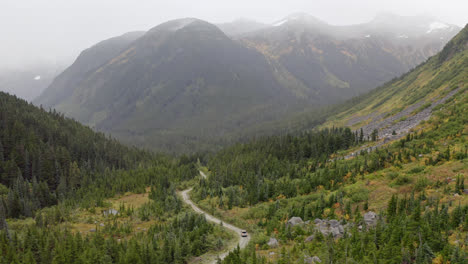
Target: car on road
(244, 233)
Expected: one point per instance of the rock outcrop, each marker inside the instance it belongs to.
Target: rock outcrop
(294, 221)
(312, 260)
(370, 218)
(330, 226)
(273, 243)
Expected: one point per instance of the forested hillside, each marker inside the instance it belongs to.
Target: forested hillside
(361, 196)
(71, 195)
(53, 153)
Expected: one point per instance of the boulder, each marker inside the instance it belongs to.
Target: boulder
(309, 239)
(332, 226)
(312, 260)
(316, 259)
(273, 242)
(323, 228)
(294, 221)
(370, 218)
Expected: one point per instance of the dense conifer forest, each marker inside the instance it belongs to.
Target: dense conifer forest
(54, 169)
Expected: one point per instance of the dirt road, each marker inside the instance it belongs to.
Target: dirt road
(243, 241)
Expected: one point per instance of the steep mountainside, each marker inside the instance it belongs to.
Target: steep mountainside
(337, 62)
(182, 79)
(402, 103)
(185, 85)
(54, 154)
(88, 61)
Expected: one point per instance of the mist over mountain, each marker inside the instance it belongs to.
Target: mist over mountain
(29, 81)
(336, 62)
(240, 26)
(186, 84)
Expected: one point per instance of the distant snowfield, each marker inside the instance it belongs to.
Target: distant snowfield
(436, 25)
(37, 78)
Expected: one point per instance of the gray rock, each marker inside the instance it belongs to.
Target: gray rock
(309, 238)
(101, 224)
(334, 223)
(273, 242)
(341, 229)
(323, 228)
(335, 232)
(317, 221)
(370, 218)
(465, 191)
(294, 221)
(316, 259)
(92, 230)
(110, 212)
(312, 260)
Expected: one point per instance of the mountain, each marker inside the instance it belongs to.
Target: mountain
(88, 61)
(402, 103)
(336, 62)
(183, 78)
(30, 81)
(240, 26)
(186, 85)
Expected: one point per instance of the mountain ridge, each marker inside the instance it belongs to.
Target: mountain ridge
(186, 77)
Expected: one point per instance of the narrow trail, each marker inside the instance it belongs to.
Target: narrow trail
(243, 241)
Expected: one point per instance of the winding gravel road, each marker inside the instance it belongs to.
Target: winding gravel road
(243, 241)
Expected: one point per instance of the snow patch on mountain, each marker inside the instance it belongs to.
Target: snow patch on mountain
(281, 22)
(436, 26)
(37, 78)
(303, 17)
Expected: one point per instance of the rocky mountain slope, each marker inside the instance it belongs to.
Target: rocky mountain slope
(319, 60)
(413, 96)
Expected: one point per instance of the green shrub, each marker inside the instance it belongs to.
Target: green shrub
(417, 169)
(421, 184)
(402, 180)
(392, 175)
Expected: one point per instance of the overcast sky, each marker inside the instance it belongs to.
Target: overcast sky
(57, 30)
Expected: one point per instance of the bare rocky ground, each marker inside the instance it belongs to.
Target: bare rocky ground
(396, 126)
